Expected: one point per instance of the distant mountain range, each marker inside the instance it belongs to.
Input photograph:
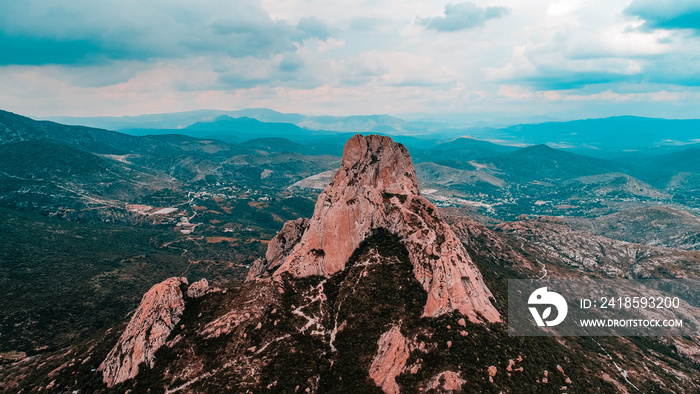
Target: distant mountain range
(591, 136)
(180, 120)
(245, 147)
(614, 133)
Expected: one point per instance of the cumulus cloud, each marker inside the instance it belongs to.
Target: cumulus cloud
(312, 27)
(291, 62)
(80, 32)
(610, 54)
(128, 57)
(395, 69)
(665, 14)
(289, 70)
(363, 23)
(463, 16)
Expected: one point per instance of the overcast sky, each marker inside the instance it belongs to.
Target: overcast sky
(567, 59)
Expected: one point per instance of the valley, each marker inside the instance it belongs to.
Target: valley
(91, 219)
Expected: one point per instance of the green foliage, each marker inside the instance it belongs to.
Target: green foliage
(370, 298)
(61, 282)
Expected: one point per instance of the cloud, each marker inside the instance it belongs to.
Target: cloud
(363, 23)
(664, 14)
(463, 16)
(290, 70)
(312, 27)
(395, 69)
(128, 57)
(291, 63)
(613, 54)
(83, 32)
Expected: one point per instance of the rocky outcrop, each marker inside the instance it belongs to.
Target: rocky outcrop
(492, 372)
(279, 247)
(198, 289)
(446, 382)
(254, 299)
(551, 239)
(376, 187)
(482, 240)
(390, 360)
(160, 310)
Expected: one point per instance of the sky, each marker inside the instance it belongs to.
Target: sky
(564, 59)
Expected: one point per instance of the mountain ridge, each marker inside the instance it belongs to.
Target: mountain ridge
(376, 171)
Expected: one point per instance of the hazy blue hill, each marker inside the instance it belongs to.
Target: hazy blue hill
(275, 144)
(542, 162)
(379, 119)
(268, 115)
(14, 128)
(180, 120)
(38, 159)
(458, 153)
(316, 141)
(660, 169)
(176, 120)
(159, 121)
(141, 132)
(621, 132)
(224, 136)
(687, 160)
(383, 129)
(245, 125)
(202, 131)
(581, 136)
(246, 128)
(472, 143)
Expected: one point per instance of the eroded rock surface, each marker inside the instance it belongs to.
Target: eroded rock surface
(447, 382)
(160, 310)
(279, 247)
(390, 360)
(376, 187)
(552, 239)
(198, 289)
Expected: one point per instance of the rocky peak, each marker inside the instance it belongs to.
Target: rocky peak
(376, 187)
(376, 162)
(160, 310)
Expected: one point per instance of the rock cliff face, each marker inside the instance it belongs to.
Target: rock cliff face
(160, 310)
(279, 247)
(376, 187)
(390, 360)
